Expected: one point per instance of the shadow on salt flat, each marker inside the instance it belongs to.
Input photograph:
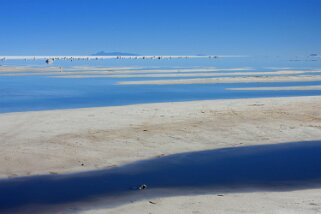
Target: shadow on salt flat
(288, 166)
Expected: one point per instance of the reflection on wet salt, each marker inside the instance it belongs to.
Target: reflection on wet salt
(33, 93)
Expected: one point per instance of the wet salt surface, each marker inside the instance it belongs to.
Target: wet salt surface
(279, 167)
(33, 93)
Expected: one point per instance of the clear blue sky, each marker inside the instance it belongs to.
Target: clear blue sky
(80, 27)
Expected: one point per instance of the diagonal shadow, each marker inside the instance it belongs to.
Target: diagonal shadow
(288, 166)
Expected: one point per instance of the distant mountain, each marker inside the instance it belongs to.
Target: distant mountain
(103, 53)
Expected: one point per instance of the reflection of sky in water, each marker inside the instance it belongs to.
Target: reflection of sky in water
(26, 93)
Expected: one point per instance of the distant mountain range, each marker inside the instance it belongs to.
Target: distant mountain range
(103, 53)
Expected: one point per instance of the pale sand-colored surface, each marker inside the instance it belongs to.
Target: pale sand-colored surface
(247, 79)
(55, 68)
(42, 69)
(292, 202)
(174, 74)
(119, 72)
(61, 141)
(84, 72)
(288, 88)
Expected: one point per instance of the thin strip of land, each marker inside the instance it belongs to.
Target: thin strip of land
(287, 88)
(303, 78)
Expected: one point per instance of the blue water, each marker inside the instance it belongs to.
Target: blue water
(30, 93)
(280, 167)
(40, 92)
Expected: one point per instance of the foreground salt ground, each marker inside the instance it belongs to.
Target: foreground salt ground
(82, 139)
(64, 141)
(293, 202)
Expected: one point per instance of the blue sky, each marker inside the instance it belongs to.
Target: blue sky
(80, 27)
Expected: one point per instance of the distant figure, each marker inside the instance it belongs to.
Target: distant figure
(49, 61)
(60, 69)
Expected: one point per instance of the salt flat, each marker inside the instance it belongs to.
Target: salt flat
(289, 88)
(64, 141)
(60, 142)
(261, 79)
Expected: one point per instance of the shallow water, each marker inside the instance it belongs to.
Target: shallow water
(41, 92)
(289, 166)
(31, 93)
